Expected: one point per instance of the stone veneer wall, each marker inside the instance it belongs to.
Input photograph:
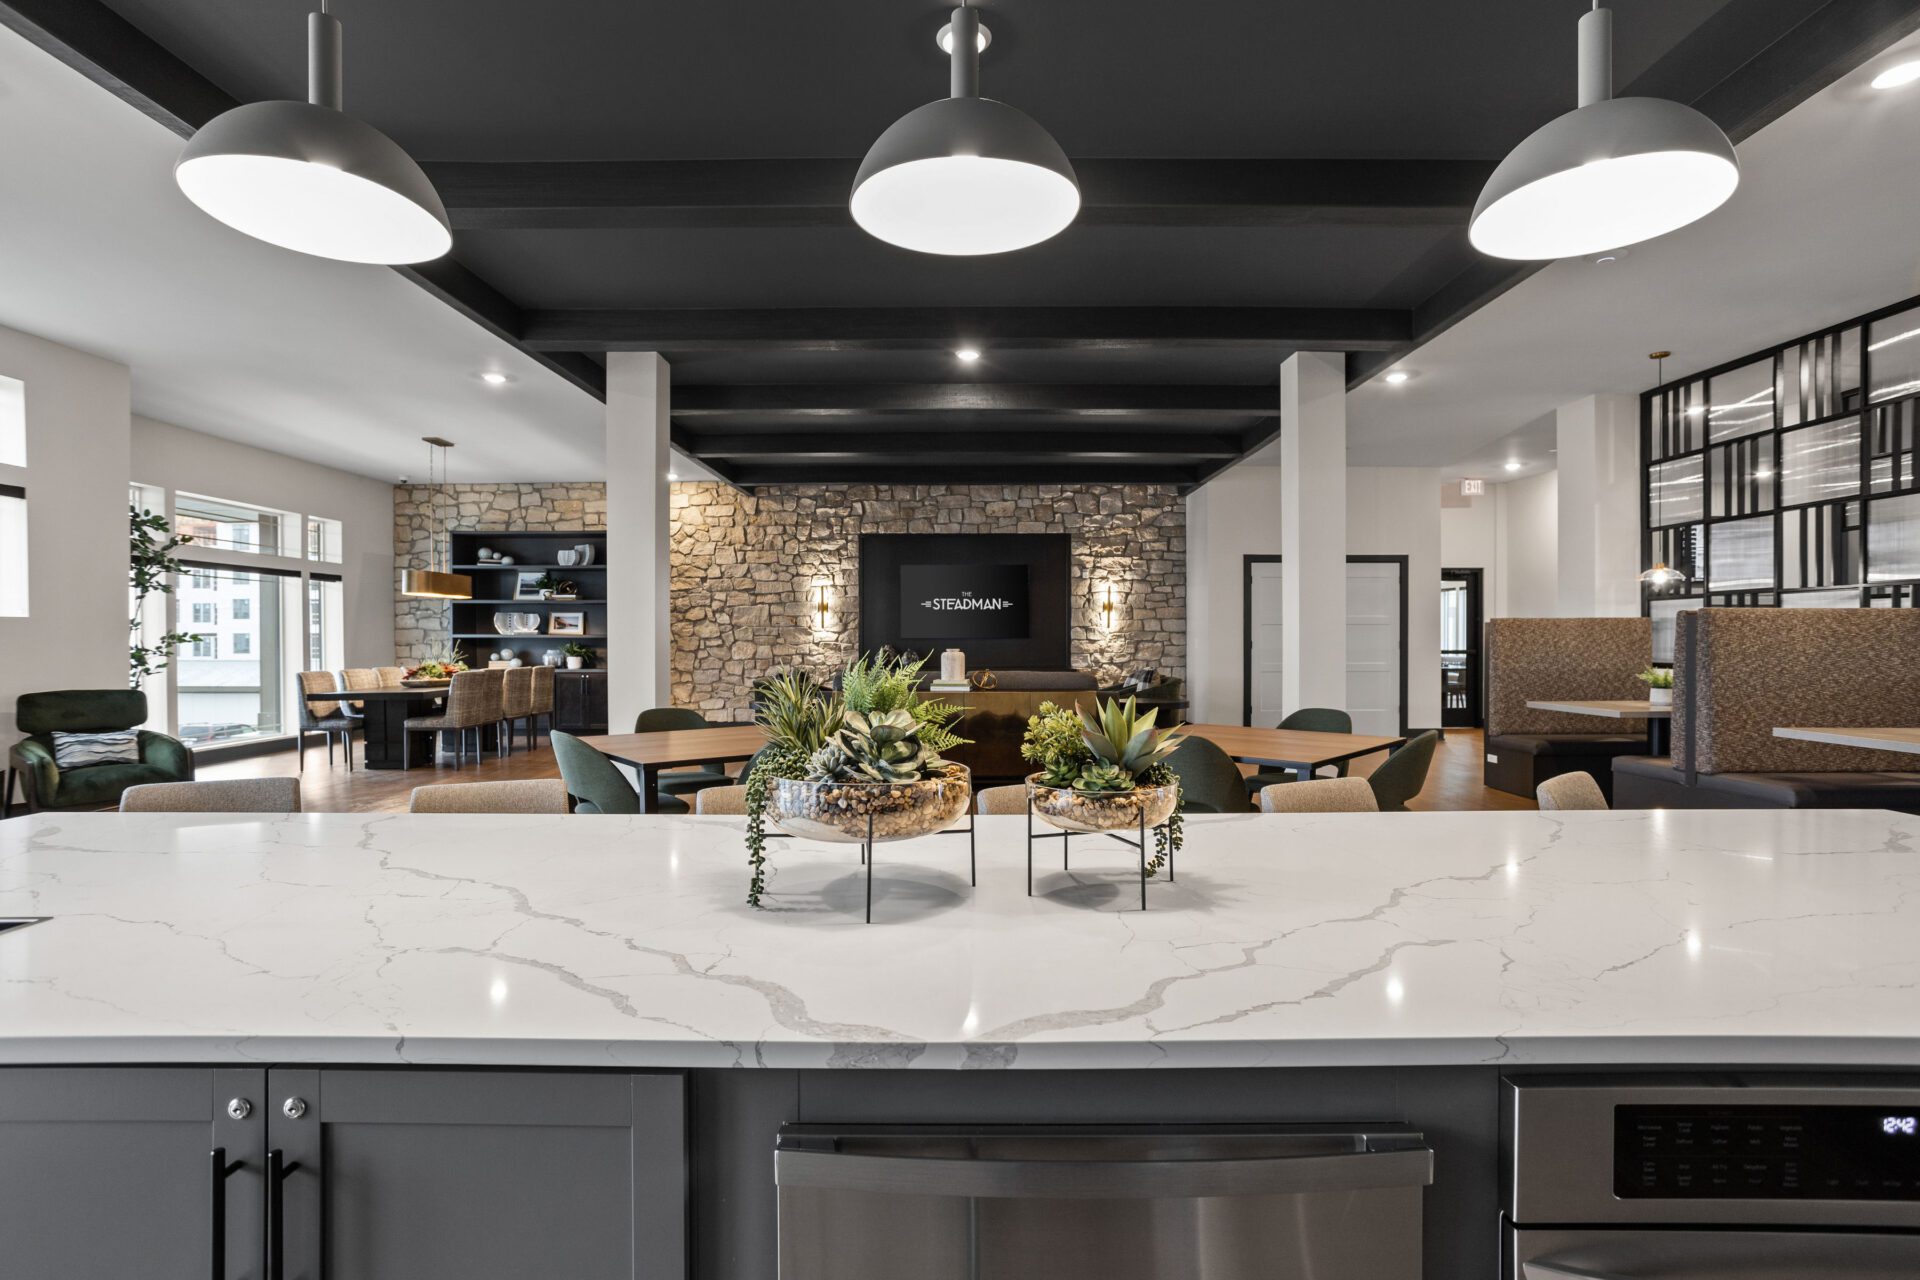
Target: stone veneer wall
(746, 571)
(420, 626)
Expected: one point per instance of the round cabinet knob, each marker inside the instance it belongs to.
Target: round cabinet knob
(293, 1108)
(239, 1108)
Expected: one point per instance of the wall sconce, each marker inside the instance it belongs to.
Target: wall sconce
(821, 610)
(1108, 618)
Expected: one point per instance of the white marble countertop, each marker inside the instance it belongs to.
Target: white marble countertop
(1645, 937)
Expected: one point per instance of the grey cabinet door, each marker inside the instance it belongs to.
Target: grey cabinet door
(107, 1173)
(476, 1175)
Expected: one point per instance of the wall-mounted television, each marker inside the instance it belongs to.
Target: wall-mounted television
(1002, 597)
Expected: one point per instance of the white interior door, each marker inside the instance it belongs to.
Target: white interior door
(1373, 645)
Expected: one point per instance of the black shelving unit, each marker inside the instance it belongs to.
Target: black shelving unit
(580, 697)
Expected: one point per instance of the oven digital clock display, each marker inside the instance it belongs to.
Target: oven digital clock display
(1906, 1125)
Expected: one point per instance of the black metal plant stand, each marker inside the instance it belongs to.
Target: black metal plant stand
(1137, 843)
(973, 864)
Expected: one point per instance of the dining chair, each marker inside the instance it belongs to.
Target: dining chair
(516, 704)
(390, 677)
(679, 782)
(1320, 795)
(227, 795)
(1575, 790)
(326, 717)
(595, 782)
(1402, 774)
(1305, 720)
(523, 795)
(473, 703)
(1210, 781)
(359, 679)
(542, 704)
(720, 800)
(1001, 800)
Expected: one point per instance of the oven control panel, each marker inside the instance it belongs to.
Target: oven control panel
(1766, 1152)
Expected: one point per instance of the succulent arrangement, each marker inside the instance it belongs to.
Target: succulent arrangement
(1656, 677)
(878, 729)
(1111, 752)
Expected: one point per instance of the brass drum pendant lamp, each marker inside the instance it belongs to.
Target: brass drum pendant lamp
(437, 581)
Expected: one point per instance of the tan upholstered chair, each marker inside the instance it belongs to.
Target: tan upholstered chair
(516, 704)
(528, 795)
(1570, 791)
(330, 718)
(359, 678)
(542, 703)
(228, 795)
(1000, 800)
(390, 677)
(720, 800)
(1321, 795)
(473, 702)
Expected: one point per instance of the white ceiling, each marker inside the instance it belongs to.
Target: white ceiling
(1822, 228)
(340, 364)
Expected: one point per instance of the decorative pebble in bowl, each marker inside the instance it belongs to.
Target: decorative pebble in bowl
(838, 811)
(1090, 812)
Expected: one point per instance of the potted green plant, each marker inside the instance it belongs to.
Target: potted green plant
(1659, 682)
(151, 568)
(861, 765)
(578, 655)
(1105, 772)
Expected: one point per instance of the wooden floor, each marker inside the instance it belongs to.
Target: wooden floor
(1453, 783)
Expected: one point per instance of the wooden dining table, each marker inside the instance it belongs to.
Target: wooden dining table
(1301, 750)
(383, 721)
(650, 753)
(1874, 739)
(1656, 714)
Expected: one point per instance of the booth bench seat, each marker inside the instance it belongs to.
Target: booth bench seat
(1652, 782)
(1518, 763)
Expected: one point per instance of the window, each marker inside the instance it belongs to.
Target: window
(231, 526)
(238, 690)
(13, 422)
(201, 579)
(242, 609)
(242, 644)
(206, 647)
(323, 539)
(326, 634)
(205, 613)
(13, 551)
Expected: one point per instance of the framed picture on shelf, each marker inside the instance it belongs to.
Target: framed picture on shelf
(527, 585)
(566, 623)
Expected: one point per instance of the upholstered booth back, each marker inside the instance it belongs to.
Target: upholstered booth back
(1567, 660)
(1758, 669)
(80, 710)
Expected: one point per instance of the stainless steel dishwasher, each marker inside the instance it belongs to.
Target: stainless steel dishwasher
(1117, 1203)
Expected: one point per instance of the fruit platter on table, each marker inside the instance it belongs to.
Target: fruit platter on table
(433, 672)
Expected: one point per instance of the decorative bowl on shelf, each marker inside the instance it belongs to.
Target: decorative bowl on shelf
(517, 624)
(838, 812)
(1091, 812)
(567, 559)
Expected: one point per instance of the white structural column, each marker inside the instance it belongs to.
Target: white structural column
(1599, 500)
(639, 384)
(1313, 530)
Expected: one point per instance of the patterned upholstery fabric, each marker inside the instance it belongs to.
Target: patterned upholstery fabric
(517, 693)
(1762, 668)
(720, 800)
(526, 795)
(311, 713)
(1001, 799)
(543, 691)
(1570, 791)
(229, 795)
(78, 750)
(390, 677)
(1322, 795)
(360, 679)
(1564, 659)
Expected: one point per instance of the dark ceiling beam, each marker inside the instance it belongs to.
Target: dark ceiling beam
(930, 328)
(972, 471)
(627, 194)
(116, 55)
(842, 400)
(1251, 441)
(928, 447)
(1744, 69)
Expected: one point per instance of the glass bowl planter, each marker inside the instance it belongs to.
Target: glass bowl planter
(839, 811)
(1092, 812)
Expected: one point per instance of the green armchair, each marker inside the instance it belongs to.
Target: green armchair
(44, 785)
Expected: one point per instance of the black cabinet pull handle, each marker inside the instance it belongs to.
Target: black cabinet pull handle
(217, 1211)
(278, 1167)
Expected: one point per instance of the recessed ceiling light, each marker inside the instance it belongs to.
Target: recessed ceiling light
(967, 355)
(673, 475)
(1900, 73)
(1513, 465)
(494, 378)
(1397, 377)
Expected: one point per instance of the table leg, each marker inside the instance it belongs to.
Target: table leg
(649, 787)
(1658, 733)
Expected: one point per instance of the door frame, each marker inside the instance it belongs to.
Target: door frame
(1246, 628)
(1475, 578)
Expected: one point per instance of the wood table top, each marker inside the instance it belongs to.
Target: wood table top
(385, 691)
(1875, 739)
(1289, 746)
(1611, 708)
(681, 746)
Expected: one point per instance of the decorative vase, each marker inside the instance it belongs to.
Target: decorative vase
(953, 666)
(840, 812)
(1660, 697)
(568, 559)
(575, 662)
(1090, 812)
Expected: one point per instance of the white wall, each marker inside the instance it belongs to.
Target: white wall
(75, 634)
(1530, 535)
(1395, 511)
(176, 458)
(1470, 539)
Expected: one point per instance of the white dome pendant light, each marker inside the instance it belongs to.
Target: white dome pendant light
(965, 175)
(1613, 172)
(306, 176)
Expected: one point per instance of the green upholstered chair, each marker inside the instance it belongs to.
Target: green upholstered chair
(594, 782)
(47, 786)
(679, 782)
(1306, 720)
(1209, 779)
(1402, 774)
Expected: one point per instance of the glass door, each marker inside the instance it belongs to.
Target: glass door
(1460, 664)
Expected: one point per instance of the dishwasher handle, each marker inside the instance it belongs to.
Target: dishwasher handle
(1103, 1179)
(1554, 1271)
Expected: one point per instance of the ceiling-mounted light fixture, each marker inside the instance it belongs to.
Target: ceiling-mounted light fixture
(965, 175)
(1612, 172)
(1397, 377)
(306, 176)
(1660, 577)
(1898, 75)
(437, 581)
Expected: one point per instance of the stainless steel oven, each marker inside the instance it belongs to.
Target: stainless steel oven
(1117, 1203)
(1711, 1179)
